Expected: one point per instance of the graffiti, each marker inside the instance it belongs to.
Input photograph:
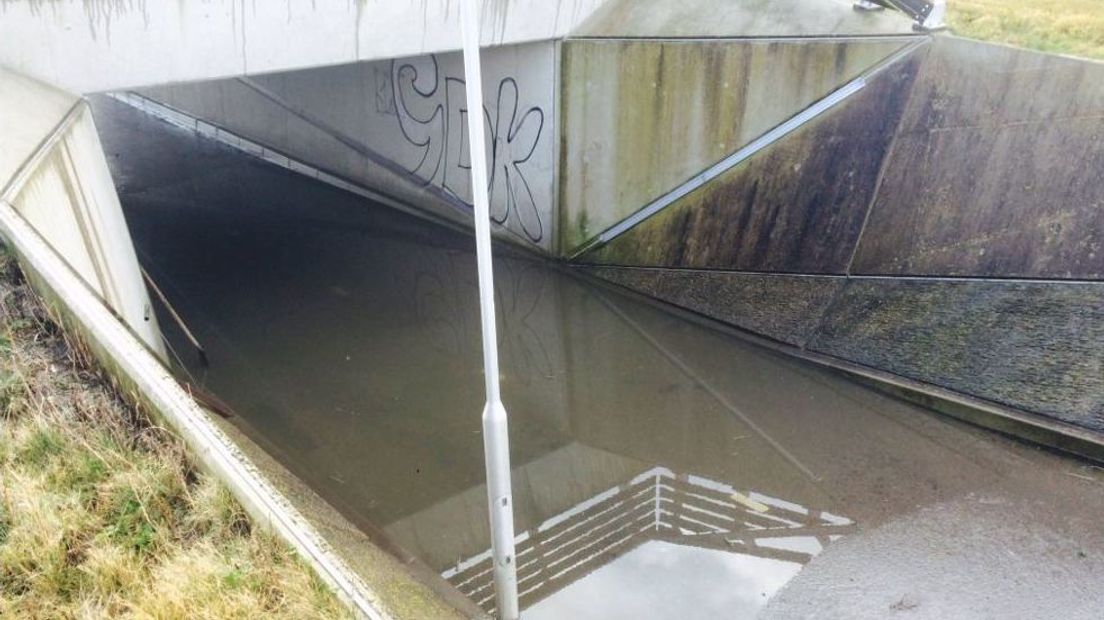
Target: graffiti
(432, 116)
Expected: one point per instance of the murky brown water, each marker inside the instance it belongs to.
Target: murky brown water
(662, 469)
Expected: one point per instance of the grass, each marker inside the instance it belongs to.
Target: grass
(1074, 27)
(103, 514)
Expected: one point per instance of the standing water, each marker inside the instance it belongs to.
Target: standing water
(662, 469)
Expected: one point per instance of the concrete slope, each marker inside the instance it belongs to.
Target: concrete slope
(53, 173)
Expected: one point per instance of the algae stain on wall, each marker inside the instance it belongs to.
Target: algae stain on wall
(641, 117)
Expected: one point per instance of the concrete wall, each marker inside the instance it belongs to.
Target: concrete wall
(97, 45)
(687, 19)
(400, 126)
(643, 116)
(944, 224)
(997, 169)
(53, 172)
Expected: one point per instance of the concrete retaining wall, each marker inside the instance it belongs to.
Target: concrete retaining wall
(847, 180)
(944, 224)
(642, 116)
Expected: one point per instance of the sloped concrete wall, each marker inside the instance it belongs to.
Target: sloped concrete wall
(400, 127)
(998, 169)
(642, 116)
(772, 212)
(53, 173)
(943, 224)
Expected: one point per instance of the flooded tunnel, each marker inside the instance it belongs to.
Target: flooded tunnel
(800, 305)
(663, 468)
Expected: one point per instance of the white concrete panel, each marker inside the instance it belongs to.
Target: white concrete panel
(95, 45)
(284, 135)
(87, 46)
(270, 41)
(68, 197)
(57, 224)
(29, 111)
(108, 230)
(412, 112)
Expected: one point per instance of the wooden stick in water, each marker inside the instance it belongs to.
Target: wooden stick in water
(176, 317)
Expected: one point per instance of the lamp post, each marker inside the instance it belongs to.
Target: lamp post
(496, 441)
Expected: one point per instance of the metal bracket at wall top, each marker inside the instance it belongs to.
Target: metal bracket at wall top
(927, 15)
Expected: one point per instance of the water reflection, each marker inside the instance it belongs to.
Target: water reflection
(673, 469)
(650, 531)
(663, 580)
(344, 337)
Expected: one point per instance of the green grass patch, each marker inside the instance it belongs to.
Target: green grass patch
(81, 473)
(42, 445)
(130, 526)
(103, 515)
(1074, 27)
(5, 522)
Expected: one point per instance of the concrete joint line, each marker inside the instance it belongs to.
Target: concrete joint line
(179, 118)
(708, 387)
(853, 276)
(783, 38)
(831, 100)
(265, 153)
(41, 152)
(355, 145)
(883, 167)
(209, 445)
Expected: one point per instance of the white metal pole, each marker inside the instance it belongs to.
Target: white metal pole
(496, 441)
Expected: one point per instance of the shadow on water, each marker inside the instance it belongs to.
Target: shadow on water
(661, 469)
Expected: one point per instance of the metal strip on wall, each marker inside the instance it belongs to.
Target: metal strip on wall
(792, 124)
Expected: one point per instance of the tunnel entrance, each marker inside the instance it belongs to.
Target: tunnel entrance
(662, 469)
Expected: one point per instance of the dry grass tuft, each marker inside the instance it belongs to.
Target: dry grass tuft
(103, 515)
(1074, 27)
